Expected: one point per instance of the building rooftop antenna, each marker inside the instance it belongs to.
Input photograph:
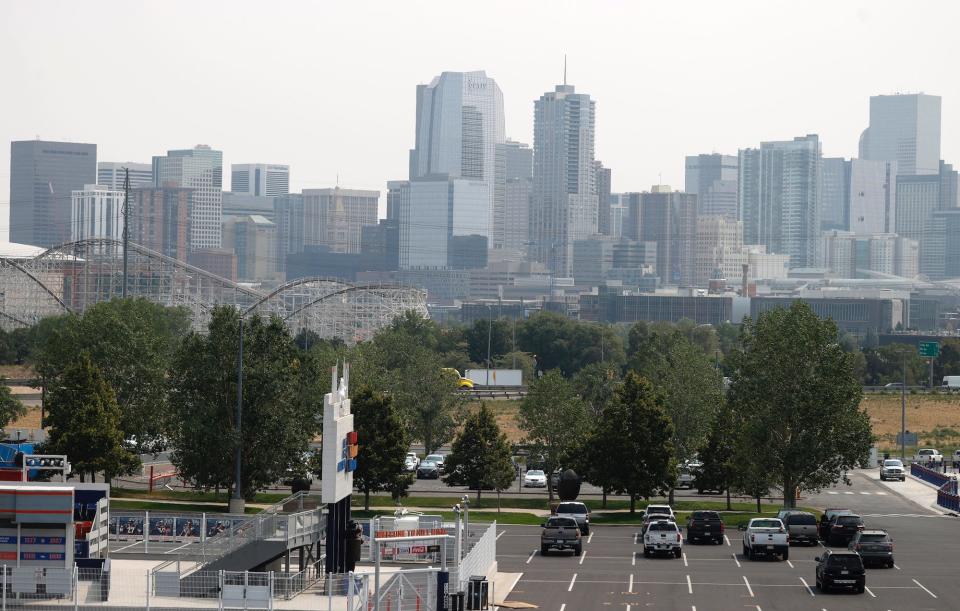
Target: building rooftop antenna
(564, 69)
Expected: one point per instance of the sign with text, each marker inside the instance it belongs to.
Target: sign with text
(929, 349)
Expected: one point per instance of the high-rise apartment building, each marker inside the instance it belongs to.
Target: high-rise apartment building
(713, 179)
(288, 216)
(160, 220)
(199, 169)
(443, 222)
(334, 217)
(904, 129)
(252, 239)
(835, 194)
(459, 125)
(111, 174)
(779, 201)
(943, 250)
(603, 198)
(872, 196)
(669, 218)
(918, 198)
(96, 212)
(43, 176)
(564, 207)
(717, 238)
(260, 179)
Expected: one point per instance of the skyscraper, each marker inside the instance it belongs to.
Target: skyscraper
(565, 203)
(96, 212)
(713, 179)
(201, 170)
(669, 218)
(779, 200)
(111, 174)
(918, 198)
(262, 179)
(904, 128)
(512, 227)
(160, 218)
(835, 194)
(43, 176)
(603, 198)
(333, 217)
(872, 196)
(459, 125)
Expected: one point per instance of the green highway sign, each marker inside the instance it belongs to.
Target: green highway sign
(930, 349)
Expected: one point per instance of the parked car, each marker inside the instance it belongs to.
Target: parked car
(534, 478)
(951, 382)
(661, 509)
(577, 511)
(650, 518)
(411, 462)
(663, 536)
(428, 470)
(560, 533)
(892, 468)
(873, 545)
(801, 526)
(840, 569)
(823, 529)
(765, 537)
(843, 527)
(705, 526)
(685, 479)
(436, 459)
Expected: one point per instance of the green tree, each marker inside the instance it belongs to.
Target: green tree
(596, 384)
(476, 338)
(717, 454)
(84, 421)
(10, 407)
(555, 420)
(280, 414)
(795, 392)
(561, 343)
(480, 456)
(634, 438)
(383, 446)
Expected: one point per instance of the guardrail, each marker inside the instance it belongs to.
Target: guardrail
(929, 475)
(947, 496)
(495, 392)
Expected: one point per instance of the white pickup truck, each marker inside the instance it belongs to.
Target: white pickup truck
(765, 537)
(663, 536)
(928, 455)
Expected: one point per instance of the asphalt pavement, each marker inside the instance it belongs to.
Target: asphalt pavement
(612, 572)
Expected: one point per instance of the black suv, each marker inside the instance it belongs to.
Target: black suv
(840, 569)
(873, 545)
(842, 529)
(824, 526)
(705, 525)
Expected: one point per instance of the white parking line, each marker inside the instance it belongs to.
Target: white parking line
(689, 585)
(532, 554)
(869, 592)
(563, 606)
(735, 560)
(685, 559)
(590, 538)
(807, 586)
(896, 566)
(832, 492)
(176, 548)
(727, 540)
(633, 559)
(502, 532)
(572, 581)
(749, 589)
(924, 588)
(636, 536)
(847, 492)
(630, 586)
(583, 557)
(881, 493)
(789, 564)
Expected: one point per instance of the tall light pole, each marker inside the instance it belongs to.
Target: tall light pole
(489, 336)
(903, 411)
(126, 231)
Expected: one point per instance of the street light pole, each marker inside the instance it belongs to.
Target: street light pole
(903, 412)
(489, 335)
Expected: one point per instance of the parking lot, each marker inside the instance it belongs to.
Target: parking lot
(612, 572)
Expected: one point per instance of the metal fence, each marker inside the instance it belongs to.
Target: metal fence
(410, 590)
(481, 546)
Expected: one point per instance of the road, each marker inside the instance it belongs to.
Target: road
(612, 572)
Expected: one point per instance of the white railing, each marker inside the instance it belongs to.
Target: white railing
(480, 557)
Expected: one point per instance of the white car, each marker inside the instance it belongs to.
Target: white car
(535, 478)
(411, 462)
(928, 455)
(892, 469)
(662, 509)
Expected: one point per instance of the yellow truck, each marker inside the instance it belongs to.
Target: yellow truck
(462, 382)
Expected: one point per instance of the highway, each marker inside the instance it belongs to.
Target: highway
(612, 573)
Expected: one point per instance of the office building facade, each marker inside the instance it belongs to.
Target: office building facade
(111, 174)
(669, 218)
(252, 239)
(260, 179)
(904, 129)
(43, 176)
(603, 198)
(199, 169)
(334, 217)
(564, 207)
(96, 212)
(160, 220)
(713, 179)
(459, 127)
(511, 229)
(779, 201)
(918, 198)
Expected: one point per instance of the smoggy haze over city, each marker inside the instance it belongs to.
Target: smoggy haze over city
(329, 88)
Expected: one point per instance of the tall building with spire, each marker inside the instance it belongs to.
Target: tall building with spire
(565, 202)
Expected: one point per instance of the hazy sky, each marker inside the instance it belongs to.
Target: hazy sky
(329, 87)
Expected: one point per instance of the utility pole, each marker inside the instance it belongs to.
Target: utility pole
(489, 336)
(903, 411)
(237, 501)
(126, 231)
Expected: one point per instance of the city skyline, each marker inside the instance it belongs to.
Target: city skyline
(367, 140)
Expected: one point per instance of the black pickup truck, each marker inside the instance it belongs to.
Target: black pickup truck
(705, 526)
